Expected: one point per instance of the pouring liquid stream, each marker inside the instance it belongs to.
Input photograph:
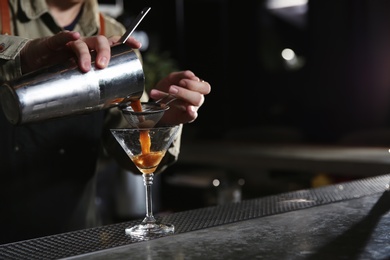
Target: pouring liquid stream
(144, 135)
(147, 161)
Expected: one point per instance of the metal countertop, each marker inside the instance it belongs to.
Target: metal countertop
(348, 221)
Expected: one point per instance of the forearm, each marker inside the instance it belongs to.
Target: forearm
(10, 47)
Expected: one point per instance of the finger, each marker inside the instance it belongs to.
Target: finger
(191, 97)
(132, 42)
(103, 50)
(59, 41)
(157, 94)
(113, 40)
(198, 85)
(178, 114)
(82, 53)
(192, 113)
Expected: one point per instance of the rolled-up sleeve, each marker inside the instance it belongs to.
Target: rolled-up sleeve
(10, 47)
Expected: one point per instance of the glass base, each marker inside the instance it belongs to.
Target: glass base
(150, 230)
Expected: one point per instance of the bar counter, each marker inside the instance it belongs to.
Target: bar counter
(349, 220)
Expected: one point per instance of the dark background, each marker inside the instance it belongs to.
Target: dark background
(339, 94)
(341, 89)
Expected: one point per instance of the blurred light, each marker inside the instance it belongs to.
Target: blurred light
(288, 54)
(241, 182)
(292, 11)
(143, 38)
(216, 182)
(291, 60)
(276, 4)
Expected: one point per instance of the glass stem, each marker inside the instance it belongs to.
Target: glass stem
(148, 182)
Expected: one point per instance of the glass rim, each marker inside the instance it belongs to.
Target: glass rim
(146, 128)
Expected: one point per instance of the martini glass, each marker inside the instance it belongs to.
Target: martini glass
(146, 147)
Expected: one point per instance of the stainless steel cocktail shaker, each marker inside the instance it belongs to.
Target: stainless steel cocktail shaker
(63, 90)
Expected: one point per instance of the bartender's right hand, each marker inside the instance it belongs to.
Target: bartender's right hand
(55, 49)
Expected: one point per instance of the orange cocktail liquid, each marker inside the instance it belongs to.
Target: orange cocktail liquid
(147, 163)
(144, 137)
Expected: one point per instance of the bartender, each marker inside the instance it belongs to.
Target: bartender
(48, 168)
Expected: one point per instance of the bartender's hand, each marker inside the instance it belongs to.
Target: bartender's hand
(65, 45)
(189, 91)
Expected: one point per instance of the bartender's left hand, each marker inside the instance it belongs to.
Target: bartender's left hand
(62, 46)
(189, 90)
